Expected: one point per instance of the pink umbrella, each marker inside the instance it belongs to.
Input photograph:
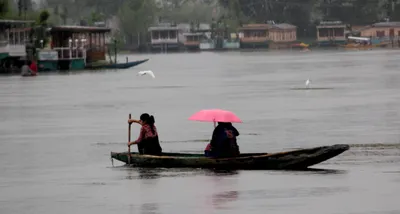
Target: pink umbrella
(215, 115)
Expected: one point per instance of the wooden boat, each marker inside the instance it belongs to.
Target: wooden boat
(295, 160)
(118, 65)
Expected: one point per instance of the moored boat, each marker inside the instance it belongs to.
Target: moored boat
(14, 36)
(73, 47)
(117, 65)
(294, 160)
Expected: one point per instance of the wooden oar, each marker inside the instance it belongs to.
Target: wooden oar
(129, 140)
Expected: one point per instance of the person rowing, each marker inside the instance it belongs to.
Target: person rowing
(147, 141)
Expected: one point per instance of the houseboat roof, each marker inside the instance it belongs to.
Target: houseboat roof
(79, 29)
(283, 26)
(386, 24)
(255, 27)
(160, 28)
(9, 21)
(25, 29)
(331, 24)
(379, 25)
(193, 34)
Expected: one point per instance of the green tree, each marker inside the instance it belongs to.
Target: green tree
(96, 16)
(64, 15)
(40, 30)
(181, 11)
(4, 8)
(353, 12)
(261, 11)
(135, 17)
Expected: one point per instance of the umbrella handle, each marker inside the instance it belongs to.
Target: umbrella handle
(215, 124)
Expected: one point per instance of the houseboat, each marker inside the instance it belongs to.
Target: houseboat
(192, 40)
(282, 35)
(14, 35)
(165, 38)
(254, 36)
(382, 33)
(209, 42)
(73, 48)
(331, 33)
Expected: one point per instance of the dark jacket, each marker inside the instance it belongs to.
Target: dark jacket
(223, 142)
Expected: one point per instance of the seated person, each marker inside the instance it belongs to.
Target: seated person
(33, 68)
(223, 142)
(147, 142)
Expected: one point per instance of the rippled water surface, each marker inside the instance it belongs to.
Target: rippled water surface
(57, 132)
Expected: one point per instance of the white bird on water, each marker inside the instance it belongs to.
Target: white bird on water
(141, 73)
(308, 83)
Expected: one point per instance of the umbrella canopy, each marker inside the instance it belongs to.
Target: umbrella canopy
(215, 115)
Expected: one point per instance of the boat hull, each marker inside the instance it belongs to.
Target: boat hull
(61, 64)
(298, 159)
(118, 65)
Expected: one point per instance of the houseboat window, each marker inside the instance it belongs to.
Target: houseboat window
(172, 34)
(380, 33)
(93, 42)
(323, 32)
(193, 38)
(3, 35)
(155, 35)
(103, 41)
(26, 35)
(164, 34)
(391, 32)
(263, 33)
(21, 35)
(255, 33)
(338, 32)
(12, 38)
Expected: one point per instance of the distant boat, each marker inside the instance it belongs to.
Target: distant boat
(118, 65)
(300, 45)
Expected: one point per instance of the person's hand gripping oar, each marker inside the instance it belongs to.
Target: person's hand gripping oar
(129, 140)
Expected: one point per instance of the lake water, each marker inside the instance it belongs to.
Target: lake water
(57, 132)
